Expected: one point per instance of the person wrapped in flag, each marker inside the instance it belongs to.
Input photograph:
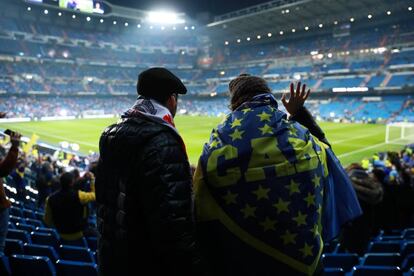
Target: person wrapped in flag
(268, 189)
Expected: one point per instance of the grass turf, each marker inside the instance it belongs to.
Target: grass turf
(351, 142)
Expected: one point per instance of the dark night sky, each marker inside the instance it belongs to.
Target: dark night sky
(190, 7)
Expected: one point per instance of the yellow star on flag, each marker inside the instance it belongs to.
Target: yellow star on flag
(237, 134)
(236, 123)
(315, 230)
(248, 211)
(266, 129)
(316, 181)
(214, 144)
(288, 238)
(230, 198)
(293, 131)
(246, 110)
(300, 219)
(310, 199)
(319, 210)
(282, 206)
(264, 116)
(307, 250)
(261, 193)
(215, 134)
(293, 187)
(268, 224)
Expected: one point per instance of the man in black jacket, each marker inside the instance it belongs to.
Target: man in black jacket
(143, 187)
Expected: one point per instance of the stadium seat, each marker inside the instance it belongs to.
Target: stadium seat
(4, 266)
(11, 225)
(45, 239)
(410, 272)
(29, 214)
(92, 243)
(333, 272)
(408, 233)
(408, 262)
(34, 222)
(391, 238)
(331, 247)
(75, 253)
(15, 211)
(407, 248)
(23, 265)
(376, 271)
(384, 247)
(381, 259)
(25, 227)
(41, 250)
(70, 268)
(80, 242)
(39, 215)
(19, 235)
(48, 230)
(13, 247)
(340, 260)
(15, 219)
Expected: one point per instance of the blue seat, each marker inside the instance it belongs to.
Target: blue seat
(76, 253)
(11, 225)
(410, 272)
(384, 247)
(391, 238)
(45, 239)
(407, 248)
(80, 242)
(25, 227)
(34, 222)
(15, 219)
(4, 266)
(92, 243)
(382, 259)
(41, 250)
(362, 270)
(29, 214)
(13, 247)
(333, 272)
(340, 260)
(19, 235)
(330, 247)
(70, 268)
(48, 230)
(39, 215)
(408, 233)
(24, 265)
(15, 211)
(408, 262)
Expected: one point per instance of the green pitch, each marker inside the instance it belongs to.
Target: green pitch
(351, 142)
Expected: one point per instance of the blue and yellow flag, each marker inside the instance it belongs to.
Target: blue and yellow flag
(264, 178)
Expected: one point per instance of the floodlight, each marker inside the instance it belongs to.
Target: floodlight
(45, 11)
(88, 19)
(269, 34)
(164, 17)
(102, 21)
(29, 8)
(59, 14)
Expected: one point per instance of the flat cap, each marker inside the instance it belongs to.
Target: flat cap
(159, 83)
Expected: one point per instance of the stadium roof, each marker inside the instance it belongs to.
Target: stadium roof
(286, 15)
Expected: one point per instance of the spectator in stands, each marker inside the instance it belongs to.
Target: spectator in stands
(370, 193)
(66, 208)
(143, 186)
(19, 181)
(6, 166)
(260, 186)
(44, 179)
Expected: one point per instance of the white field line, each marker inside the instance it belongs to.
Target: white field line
(358, 137)
(364, 149)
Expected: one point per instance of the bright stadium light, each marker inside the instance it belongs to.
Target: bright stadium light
(138, 26)
(192, 27)
(388, 12)
(269, 34)
(164, 17)
(74, 16)
(88, 19)
(226, 43)
(186, 28)
(59, 14)
(29, 8)
(126, 24)
(321, 25)
(369, 16)
(352, 19)
(335, 22)
(306, 28)
(287, 11)
(293, 30)
(281, 32)
(174, 28)
(102, 21)
(45, 11)
(238, 40)
(162, 28)
(151, 27)
(248, 38)
(259, 37)
(114, 22)
(410, 8)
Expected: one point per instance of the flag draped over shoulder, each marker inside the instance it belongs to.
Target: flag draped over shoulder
(266, 179)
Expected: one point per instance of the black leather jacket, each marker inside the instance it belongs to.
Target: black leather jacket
(143, 192)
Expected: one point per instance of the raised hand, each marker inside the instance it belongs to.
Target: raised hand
(15, 138)
(296, 100)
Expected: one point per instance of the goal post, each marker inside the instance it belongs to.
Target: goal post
(399, 133)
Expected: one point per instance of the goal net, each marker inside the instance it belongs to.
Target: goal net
(400, 133)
